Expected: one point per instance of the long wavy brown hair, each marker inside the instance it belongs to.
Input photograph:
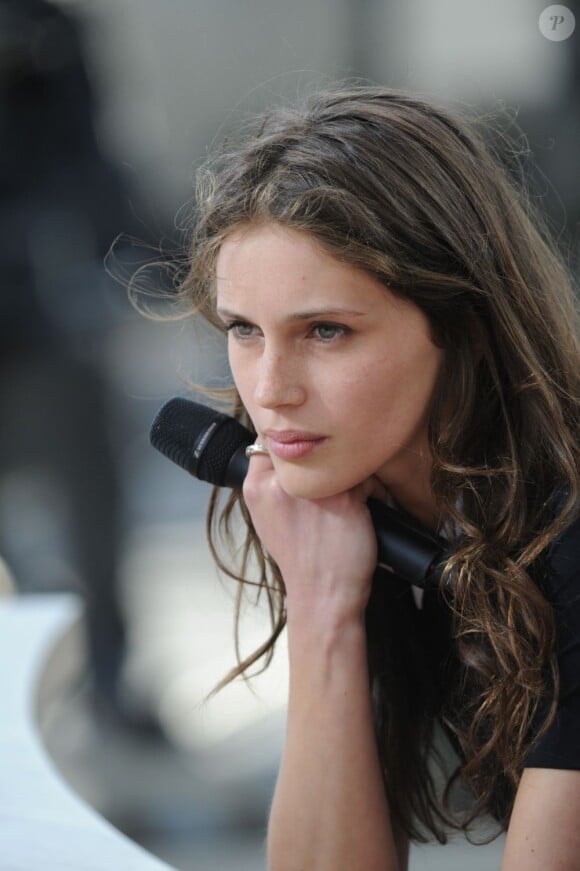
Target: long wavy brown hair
(421, 197)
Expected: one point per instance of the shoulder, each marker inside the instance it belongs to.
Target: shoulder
(543, 832)
(560, 746)
(564, 553)
(563, 565)
(561, 559)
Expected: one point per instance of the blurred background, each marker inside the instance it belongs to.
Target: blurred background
(106, 109)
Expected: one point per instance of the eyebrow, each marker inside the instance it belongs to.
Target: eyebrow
(301, 316)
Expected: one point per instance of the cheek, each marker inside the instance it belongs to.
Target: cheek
(366, 390)
(242, 376)
(404, 380)
(385, 405)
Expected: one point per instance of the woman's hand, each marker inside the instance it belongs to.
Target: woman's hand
(326, 549)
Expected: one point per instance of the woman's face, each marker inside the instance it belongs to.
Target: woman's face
(319, 346)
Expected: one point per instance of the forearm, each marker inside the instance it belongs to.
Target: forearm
(330, 810)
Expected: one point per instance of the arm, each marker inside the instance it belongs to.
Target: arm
(330, 810)
(544, 830)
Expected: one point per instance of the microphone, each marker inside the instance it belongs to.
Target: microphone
(212, 446)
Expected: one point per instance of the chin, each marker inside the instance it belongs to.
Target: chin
(304, 486)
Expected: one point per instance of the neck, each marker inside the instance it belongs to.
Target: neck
(411, 490)
(425, 511)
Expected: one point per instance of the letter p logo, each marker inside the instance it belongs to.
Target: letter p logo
(557, 23)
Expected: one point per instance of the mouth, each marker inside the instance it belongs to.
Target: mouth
(294, 449)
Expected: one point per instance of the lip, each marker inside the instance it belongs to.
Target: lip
(288, 436)
(294, 450)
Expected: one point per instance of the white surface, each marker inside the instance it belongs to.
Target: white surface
(43, 824)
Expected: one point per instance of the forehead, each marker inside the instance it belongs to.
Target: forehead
(287, 264)
(252, 249)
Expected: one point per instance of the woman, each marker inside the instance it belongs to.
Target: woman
(400, 326)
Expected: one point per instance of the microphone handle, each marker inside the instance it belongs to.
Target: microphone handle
(405, 547)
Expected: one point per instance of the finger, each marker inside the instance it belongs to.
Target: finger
(259, 472)
(256, 449)
(259, 456)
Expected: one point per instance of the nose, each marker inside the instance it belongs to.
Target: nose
(279, 381)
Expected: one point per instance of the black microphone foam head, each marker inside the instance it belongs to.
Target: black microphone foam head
(198, 438)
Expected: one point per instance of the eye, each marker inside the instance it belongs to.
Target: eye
(240, 329)
(330, 332)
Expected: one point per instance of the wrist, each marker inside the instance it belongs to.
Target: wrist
(326, 603)
(326, 661)
(324, 629)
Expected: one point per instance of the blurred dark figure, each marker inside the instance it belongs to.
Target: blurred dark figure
(553, 132)
(61, 205)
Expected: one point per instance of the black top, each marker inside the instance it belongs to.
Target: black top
(560, 746)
